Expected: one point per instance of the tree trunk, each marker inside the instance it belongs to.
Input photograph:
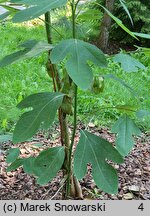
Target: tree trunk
(105, 26)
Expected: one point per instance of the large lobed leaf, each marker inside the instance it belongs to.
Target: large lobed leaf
(95, 150)
(45, 106)
(128, 63)
(45, 166)
(78, 55)
(30, 49)
(38, 8)
(125, 128)
(48, 163)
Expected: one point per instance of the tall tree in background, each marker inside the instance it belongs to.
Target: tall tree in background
(105, 26)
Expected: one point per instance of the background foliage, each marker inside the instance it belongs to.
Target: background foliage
(20, 81)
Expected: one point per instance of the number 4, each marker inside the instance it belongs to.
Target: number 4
(141, 207)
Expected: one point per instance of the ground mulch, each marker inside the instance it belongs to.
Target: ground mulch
(134, 173)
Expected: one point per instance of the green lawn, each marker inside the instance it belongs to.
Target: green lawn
(30, 76)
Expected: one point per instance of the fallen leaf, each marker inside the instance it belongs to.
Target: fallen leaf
(128, 196)
(134, 188)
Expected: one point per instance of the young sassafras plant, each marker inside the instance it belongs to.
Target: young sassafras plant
(75, 58)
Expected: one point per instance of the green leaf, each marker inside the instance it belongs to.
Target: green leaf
(5, 138)
(125, 128)
(31, 48)
(119, 22)
(28, 165)
(4, 15)
(142, 114)
(12, 155)
(78, 55)
(122, 2)
(17, 163)
(10, 9)
(95, 150)
(45, 106)
(48, 163)
(142, 35)
(38, 8)
(128, 63)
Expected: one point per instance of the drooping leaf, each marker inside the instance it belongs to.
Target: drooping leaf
(125, 129)
(128, 63)
(95, 150)
(12, 155)
(142, 114)
(16, 164)
(48, 163)
(112, 76)
(142, 35)
(119, 22)
(30, 49)
(38, 8)
(44, 106)
(78, 54)
(123, 3)
(5, 138)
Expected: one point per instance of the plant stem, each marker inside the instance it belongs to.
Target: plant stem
(52, 27)
(48, 27)
(73, 6)
(50, 66)
(53, 73)
(72, 142)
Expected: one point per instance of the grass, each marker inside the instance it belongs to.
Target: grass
(24, 78)
(21, 79)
